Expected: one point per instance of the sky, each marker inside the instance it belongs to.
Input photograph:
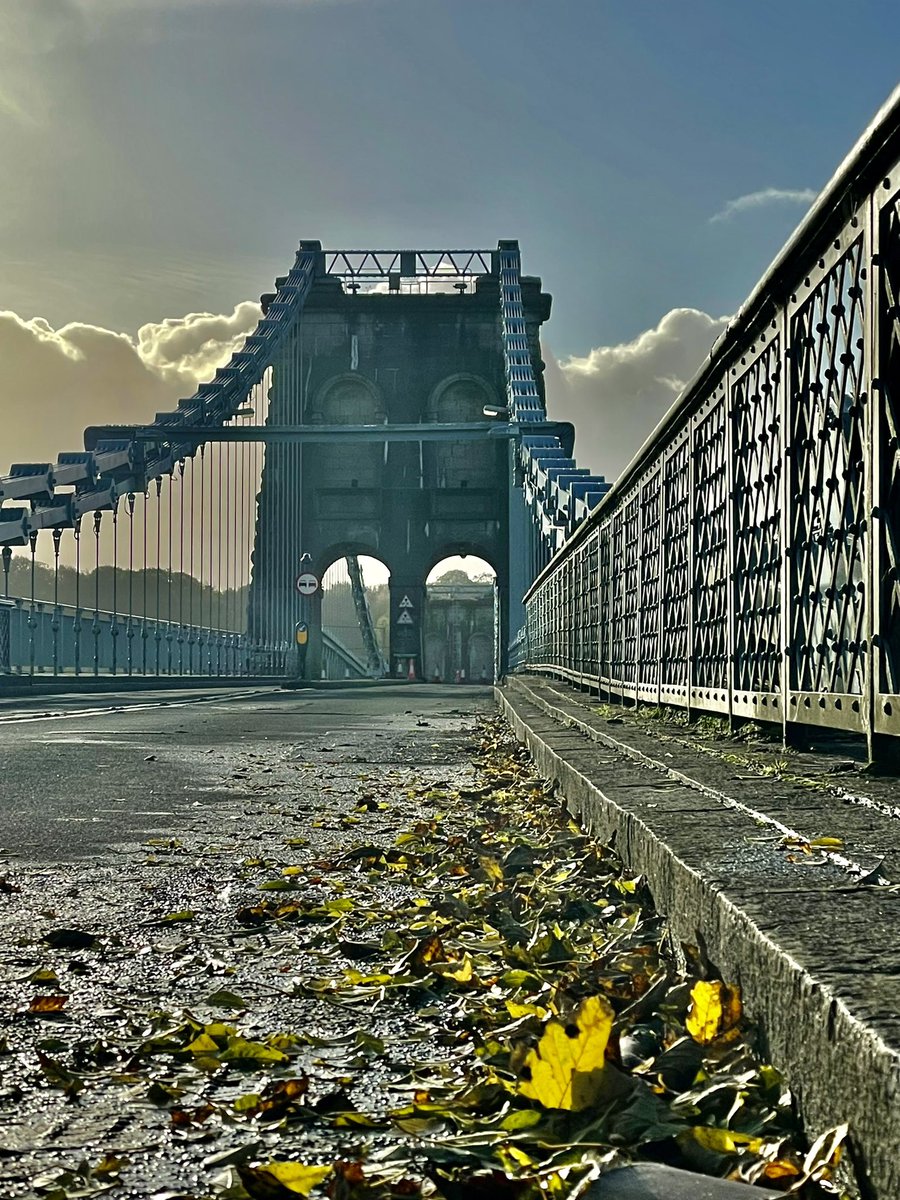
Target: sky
(162, 159)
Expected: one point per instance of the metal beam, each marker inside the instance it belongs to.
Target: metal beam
(425, 432)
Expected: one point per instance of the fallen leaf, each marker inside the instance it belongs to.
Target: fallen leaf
(715, 1010)
(562, 1072)
(42, 1005)
(280, 1179)
(225, 999)
(70, 939)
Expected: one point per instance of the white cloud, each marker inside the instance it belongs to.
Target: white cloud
(760, 199)
(54, 382)
(188, 349)
(616, 394)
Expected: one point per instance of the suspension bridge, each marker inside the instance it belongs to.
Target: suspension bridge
(391, 403)
(744, 566)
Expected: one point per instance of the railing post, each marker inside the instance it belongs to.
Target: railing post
(879, 745)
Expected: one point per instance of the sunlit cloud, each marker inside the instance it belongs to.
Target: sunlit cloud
(189, 349)
(56, 381)
(616, 394)
(763, 198)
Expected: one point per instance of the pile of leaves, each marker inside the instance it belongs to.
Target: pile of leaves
(512, 1019)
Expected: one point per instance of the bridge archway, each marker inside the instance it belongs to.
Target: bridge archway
(339, 613)
(459, 628)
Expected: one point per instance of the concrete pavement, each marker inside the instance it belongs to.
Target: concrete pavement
(85, 775)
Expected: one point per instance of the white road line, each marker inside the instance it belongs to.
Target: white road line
(23, 717)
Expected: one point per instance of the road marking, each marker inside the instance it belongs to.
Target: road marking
(22, 717)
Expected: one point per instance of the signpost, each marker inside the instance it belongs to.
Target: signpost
(306, 583)
(301, 638)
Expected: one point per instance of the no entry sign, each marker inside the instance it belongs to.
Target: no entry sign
(307, 583)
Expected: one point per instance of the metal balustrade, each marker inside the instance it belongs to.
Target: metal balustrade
(747, 562)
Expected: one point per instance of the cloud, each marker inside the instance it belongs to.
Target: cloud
(54, 382)
(615, 395)
(188, 349)
(804, 196)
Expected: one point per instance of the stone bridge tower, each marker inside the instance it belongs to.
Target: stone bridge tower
(396, 357)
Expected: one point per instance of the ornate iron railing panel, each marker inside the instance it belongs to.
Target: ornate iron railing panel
(749, 557)
(710, 553)
(827, 531)
(647, 678)
(756, 462)
(676, 570)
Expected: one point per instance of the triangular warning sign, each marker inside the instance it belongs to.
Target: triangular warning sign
(406, 602)
(404, 619)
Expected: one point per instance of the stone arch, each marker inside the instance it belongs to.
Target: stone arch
(457, 398)
(323, 559)
(459, 632)
(348, 399)
(454, 549)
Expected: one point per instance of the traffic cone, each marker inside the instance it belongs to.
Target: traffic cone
(411, 672)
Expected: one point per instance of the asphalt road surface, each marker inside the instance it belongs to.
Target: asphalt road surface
(87, 776)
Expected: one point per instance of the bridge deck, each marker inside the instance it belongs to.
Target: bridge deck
(281, 862)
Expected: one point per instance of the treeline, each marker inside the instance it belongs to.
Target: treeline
(146, 593)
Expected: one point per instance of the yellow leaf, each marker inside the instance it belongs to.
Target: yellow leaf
(47, 1004)
(825, 1153)
(516, 1010)
(428, 951)
(827, 843)
(492, 869)
(516, 1156)
(566, 1068)
(781, 1168)
(202, 1044)
(715, 1010)
(275, 1178)
(45, 975)
(725, 1141)
(241, 1050)
(292, 870)
(461, 972)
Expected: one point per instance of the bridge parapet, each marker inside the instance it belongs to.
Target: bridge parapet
(747, 562)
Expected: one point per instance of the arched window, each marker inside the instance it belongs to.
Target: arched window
(348, 400)
(462, 398)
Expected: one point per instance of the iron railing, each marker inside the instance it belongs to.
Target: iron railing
(748, 560)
